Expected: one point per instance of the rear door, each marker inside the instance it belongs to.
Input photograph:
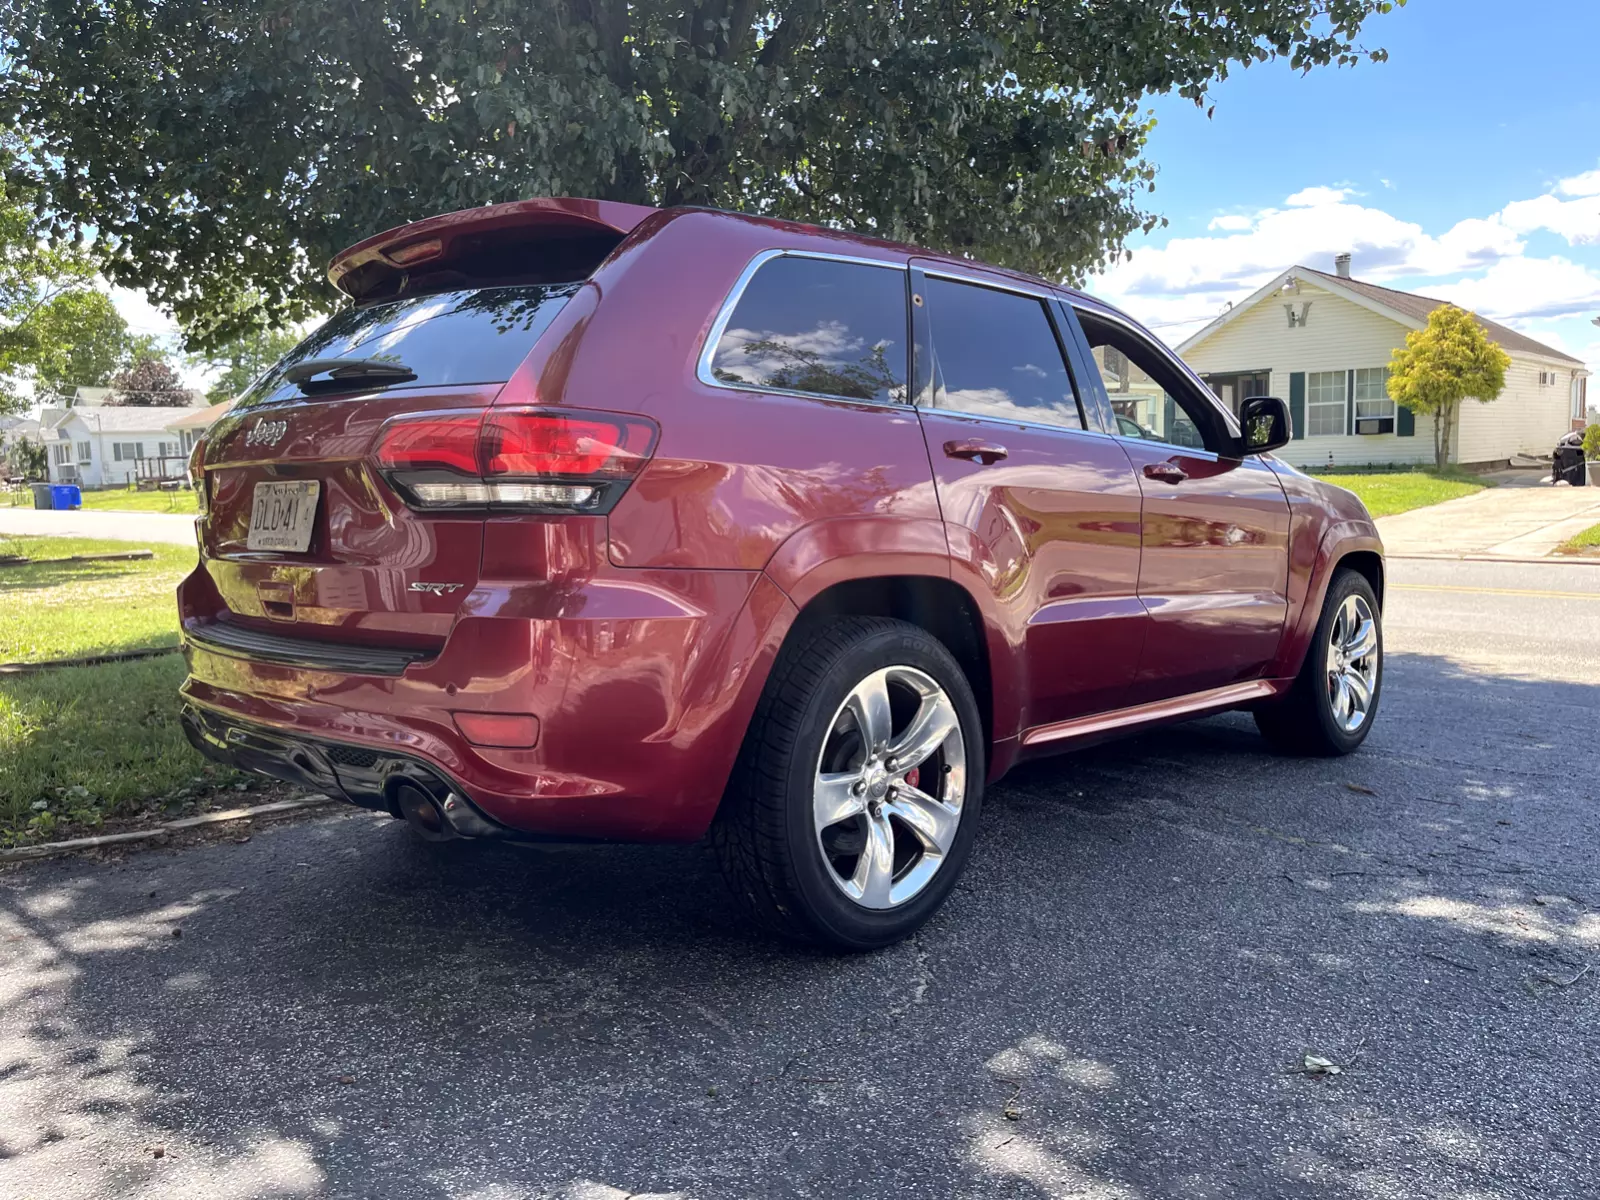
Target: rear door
(1040, 511)
(1214, 573)
(344, 558)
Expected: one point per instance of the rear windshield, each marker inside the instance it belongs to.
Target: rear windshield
(465, 337)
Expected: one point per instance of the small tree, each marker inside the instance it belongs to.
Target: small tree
(148, 382)
(1449, 361)
(1591, 441)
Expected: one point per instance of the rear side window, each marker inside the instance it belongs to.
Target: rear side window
(819, 326)
(463, 337)
(996, 355)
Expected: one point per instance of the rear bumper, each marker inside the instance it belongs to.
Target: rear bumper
(363, 776)
(643, 684)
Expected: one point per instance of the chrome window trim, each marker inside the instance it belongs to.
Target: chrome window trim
(724, 314)
(1040, 426)
(1021, 288)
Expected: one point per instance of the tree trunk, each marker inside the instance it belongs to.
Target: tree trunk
(1442, 421)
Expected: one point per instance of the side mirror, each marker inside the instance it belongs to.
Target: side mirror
(1264, 425)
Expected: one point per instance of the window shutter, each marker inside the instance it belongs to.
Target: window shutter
(1297, 403)
(1350, 403)
(1405, 421)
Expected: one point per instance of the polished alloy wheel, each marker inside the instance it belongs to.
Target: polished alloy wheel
(889, 787)
(1352, 663)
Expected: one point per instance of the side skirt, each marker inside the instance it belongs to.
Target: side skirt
(1063, 734)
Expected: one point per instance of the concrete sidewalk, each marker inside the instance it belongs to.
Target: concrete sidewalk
(1501, 522)
(175, 529)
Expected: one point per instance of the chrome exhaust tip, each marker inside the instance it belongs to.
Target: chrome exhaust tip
(422, 813)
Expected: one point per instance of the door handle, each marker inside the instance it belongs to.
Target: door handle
(1166, 472)
(980, 452)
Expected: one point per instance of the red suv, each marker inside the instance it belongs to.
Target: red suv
(588, 521)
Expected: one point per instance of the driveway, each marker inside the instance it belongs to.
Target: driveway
(1514, 520)
(1150, 939)
(174, 528)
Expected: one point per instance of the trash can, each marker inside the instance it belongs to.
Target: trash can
(64, 496)
(41, 495)
(1567, 463)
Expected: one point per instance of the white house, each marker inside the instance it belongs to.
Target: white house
(191, 427)
(1323, 342)
(100, 445)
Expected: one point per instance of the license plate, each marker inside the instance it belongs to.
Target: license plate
(281, 515)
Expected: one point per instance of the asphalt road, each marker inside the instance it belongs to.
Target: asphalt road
(1150, 937)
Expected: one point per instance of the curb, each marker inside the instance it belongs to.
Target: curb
(1571, 560)
(92, 660)
(51, 849)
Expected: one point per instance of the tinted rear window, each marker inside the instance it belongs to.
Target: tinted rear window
(819, 326)
(996, 355)
(476, 336)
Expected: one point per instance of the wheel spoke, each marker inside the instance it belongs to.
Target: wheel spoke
(1358, 690)
(1363, 641)
(934, 822)
(935, 721)
(1341, 698)
(834, 798)
(869, 703)
(875, 868)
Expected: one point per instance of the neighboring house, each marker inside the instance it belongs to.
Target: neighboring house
(1323, 343)
(190, 427)
(18, 429)
(111, 446)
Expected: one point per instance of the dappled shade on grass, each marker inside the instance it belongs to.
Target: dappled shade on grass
(93, 742)
(52, 610)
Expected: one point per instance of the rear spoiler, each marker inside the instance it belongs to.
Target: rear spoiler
(554, 240)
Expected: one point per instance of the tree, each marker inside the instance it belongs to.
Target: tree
(223, 150)
(38, 284)
(148, 382)
(243, 360)
(79, 338)
(1448, 361)
(22, 458)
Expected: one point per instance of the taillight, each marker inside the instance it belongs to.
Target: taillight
(531, 460)
(197, 476)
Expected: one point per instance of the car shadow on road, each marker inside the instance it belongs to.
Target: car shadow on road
(1118, 1002)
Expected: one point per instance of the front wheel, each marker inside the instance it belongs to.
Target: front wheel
(854, 803)
(1330, 709)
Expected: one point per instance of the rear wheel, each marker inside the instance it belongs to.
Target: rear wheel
(1331, 707)
(854, 803)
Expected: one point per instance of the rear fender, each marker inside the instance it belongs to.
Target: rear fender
(1338, 542)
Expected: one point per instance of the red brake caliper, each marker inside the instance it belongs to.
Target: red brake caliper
(912, 776)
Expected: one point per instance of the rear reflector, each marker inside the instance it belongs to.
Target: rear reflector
(530, 460)
(511, 730)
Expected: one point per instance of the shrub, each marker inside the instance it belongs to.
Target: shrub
(1591, 441)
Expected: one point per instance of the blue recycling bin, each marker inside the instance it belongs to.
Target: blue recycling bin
(65, 496)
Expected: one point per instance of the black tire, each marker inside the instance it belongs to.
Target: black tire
(764, 835)
(1303, 721)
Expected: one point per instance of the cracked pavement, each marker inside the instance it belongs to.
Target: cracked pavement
(1151, 937)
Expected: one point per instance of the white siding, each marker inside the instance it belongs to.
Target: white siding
(1528, 418)
(1337, 336)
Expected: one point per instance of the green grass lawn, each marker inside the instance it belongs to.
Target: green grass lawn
(69, 610)
(122, 500)
(79, 745)
(1586, 543)
(1387, 493)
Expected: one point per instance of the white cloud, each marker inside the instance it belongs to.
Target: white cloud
(1587, 184)
(1578, 221)
(1234, 223)
(1312, 196)
(1518, 289)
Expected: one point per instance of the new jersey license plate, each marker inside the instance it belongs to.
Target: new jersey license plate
(282, 515)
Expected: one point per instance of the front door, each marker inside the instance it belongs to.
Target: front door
(1235, 389)
(1041, 513)
(1214, 573)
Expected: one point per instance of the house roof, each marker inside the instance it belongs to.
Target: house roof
(125, 418)
(1406, 307)
(1418, 307)
(200, 418)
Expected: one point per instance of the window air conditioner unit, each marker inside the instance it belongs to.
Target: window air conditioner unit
(1375, 425)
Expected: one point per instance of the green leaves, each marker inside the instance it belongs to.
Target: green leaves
(223, 152)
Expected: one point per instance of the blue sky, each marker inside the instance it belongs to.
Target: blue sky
(1467, 166)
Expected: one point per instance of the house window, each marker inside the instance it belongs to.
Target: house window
(85, 453)
(1579, 398)
(60, 454)
(126, 451)
(167, 450)
(1325, 403)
